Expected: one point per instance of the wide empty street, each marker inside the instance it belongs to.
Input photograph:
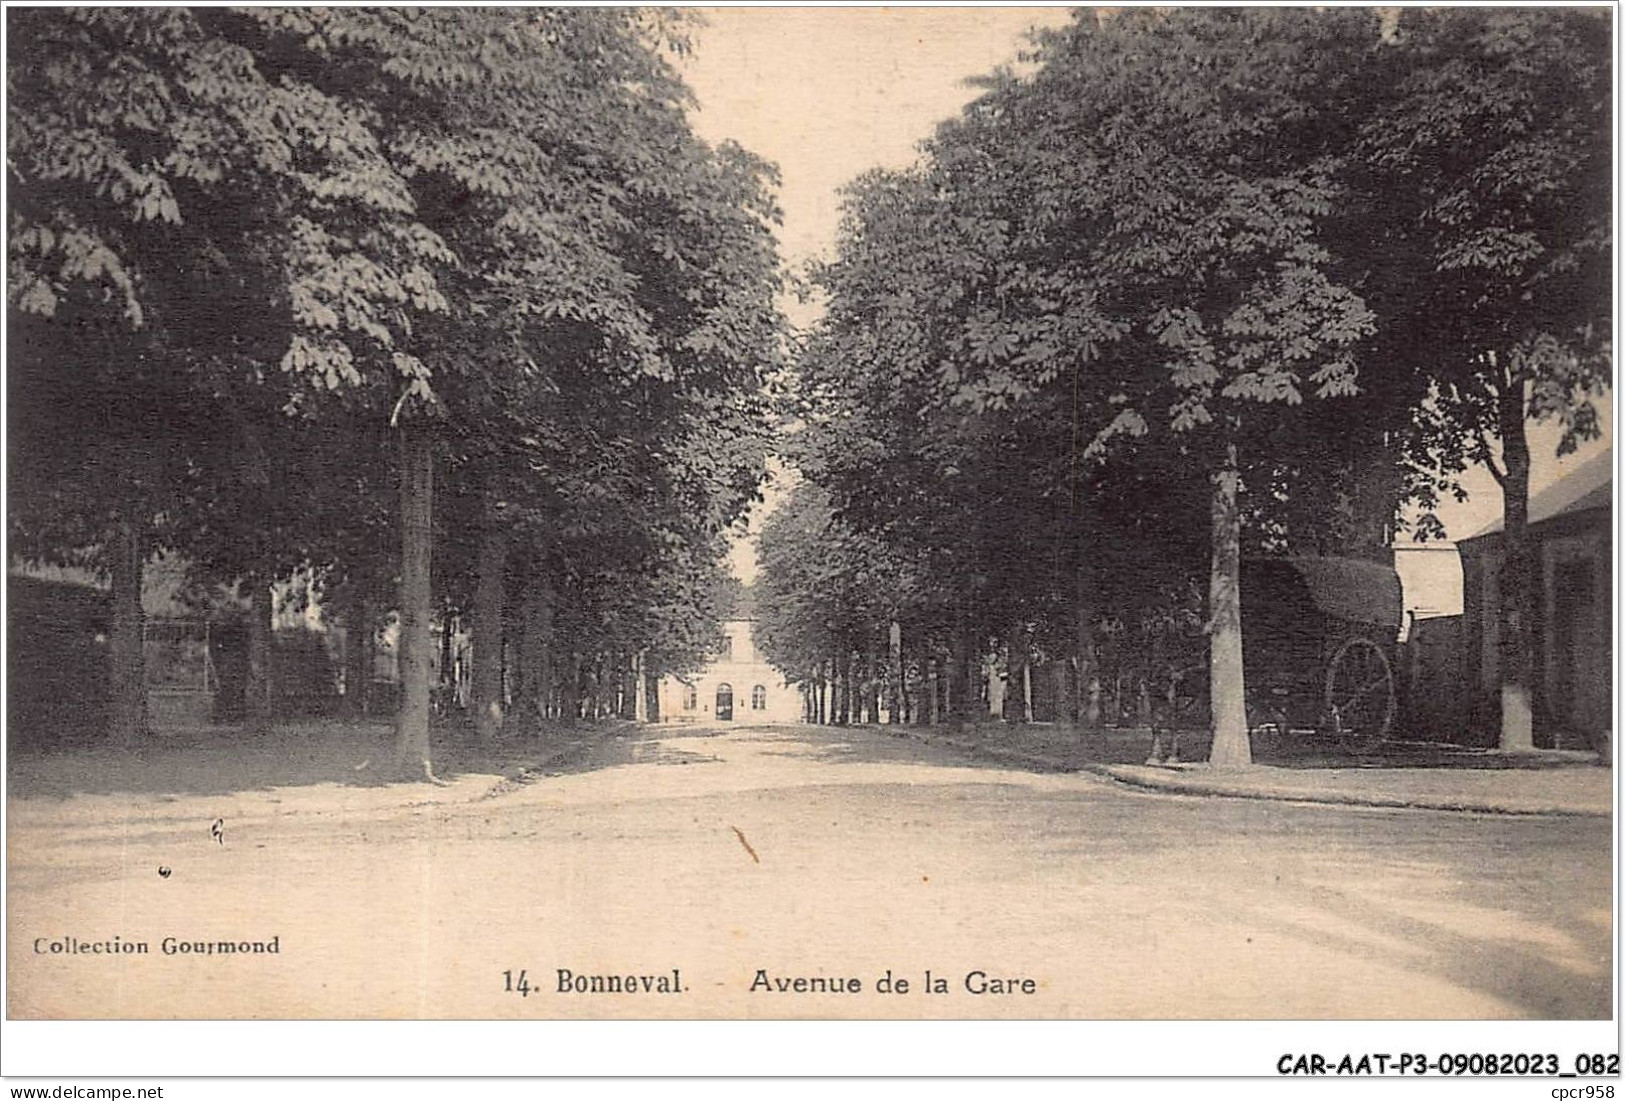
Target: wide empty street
(745, 859)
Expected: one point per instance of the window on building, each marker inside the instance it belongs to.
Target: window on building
(726, 650)
(691, 698)
(758, 698)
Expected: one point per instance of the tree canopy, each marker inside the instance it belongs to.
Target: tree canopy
(1194, 283)
(277, 268)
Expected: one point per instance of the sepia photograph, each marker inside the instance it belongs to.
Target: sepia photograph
(815, 514)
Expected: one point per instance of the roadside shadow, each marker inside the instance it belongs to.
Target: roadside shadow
(1324, 753)
(867, 744)
(1028, 747)
(225, 760)
(1508, 968)
(597, 751)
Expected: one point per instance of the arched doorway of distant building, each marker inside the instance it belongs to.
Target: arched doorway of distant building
(725, 701)
(758, 698)
(691, 698)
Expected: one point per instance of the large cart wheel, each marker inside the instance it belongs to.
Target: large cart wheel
(1360, 698)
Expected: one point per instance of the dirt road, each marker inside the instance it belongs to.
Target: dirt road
(787, 872)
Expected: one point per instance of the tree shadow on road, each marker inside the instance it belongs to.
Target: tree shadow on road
(1054, 747)
(227, 760)
(867, 745)
(1498, 963)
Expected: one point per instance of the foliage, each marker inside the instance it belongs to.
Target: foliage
(249, 247)
(1326, 239)
(1492, 154)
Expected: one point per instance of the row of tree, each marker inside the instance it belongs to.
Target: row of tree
(448, 308)
(1195, 283)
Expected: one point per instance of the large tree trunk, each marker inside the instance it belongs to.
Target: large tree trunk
(1518, 581)
(844, 673)
(260, 693)
(127, 715)
(876, 672)
(860, 686)
(933, 679)
(894, 686)
(835, 679)
(416, 603)
(653, 674)
(640, 687)
(1231, 745)
(857, 688)
(489, 598)
(1060, 689)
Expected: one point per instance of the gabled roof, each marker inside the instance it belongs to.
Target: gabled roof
(1588, 486)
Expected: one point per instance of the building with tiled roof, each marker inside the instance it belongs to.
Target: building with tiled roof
(1570, 538)
(739, 686)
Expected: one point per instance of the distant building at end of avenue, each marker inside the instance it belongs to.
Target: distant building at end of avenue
(739, 686)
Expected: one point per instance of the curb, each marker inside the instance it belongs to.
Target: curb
(1341, 799)
(1328, 798)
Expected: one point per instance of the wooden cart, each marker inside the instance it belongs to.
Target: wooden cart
(1320, 638)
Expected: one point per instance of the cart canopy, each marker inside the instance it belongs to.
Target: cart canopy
(1350, 589)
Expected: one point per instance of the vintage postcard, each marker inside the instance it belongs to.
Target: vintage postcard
(1048, 514)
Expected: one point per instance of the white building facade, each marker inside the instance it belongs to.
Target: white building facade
(739, 687)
